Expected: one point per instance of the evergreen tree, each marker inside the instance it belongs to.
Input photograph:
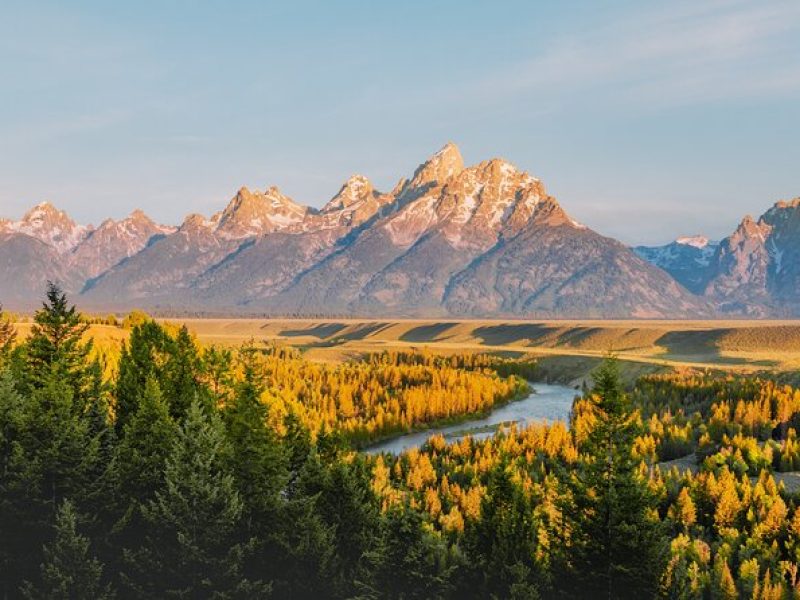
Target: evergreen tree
(53, 455)
(55, 347)
(500, 547)
(259, 465)
(68, 572)
(143, 357)
(617, 547)
(190, 548)
(410, 562)
(183, 375)
(137, 467)
(306, 548)
(10, 424)
(297, 441)
(97, 499)
(347, 506)
(173, 361)
(217, 372)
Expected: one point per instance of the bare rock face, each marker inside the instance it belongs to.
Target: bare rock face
(355, 203)
(756, 270)
(739, 272)
(113, 242)
(438, 169)
(164, 269)
(254, 213)
(559, 270)
(356, 190)
(47, 245)
(26, 265)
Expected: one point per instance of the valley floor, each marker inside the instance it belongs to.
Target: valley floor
(568, 349)
(737, 345)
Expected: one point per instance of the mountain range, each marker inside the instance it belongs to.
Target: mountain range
(754, 272)
(450, 240)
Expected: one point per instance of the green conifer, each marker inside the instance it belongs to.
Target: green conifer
(617, 545)
(69, 571)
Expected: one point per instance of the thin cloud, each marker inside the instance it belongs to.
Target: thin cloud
(693, 54)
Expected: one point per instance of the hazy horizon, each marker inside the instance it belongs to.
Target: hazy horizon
(682, 118)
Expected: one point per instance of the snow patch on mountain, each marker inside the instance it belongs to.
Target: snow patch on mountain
(52, 226)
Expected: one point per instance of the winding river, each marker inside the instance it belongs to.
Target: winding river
(546, 402)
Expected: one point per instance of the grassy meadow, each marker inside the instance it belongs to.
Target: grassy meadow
(741, 345)
(567, 350)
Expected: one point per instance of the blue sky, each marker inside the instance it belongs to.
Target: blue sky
(646, 120)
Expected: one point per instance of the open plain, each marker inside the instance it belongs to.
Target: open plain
(567, 350)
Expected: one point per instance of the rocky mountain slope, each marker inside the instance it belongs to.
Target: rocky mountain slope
(687, 259)
(754, 272)
(26, 264)
(479, 240)
(46, 244)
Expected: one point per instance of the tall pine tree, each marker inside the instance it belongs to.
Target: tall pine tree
(617, 545)
(182, 381)
(346, 504)
(500, 547)
(56, 348)
(410, 562)
(69, 571)
(10, 424)
(137, 467)
(53, 455)
(143, 357)
(259, 465)
(191, 548)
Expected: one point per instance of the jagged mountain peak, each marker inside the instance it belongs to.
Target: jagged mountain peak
(141, 220)
(138, 215)
(195, 221)
(446, 163)
(750, 228)
(696, 241)
(52, 226)
(44, 214)
(477, 206)
(484, 239)
(356, 189)
(254, 213)
(782, 211)
(783, 204)
(114, 241)
(135, 224)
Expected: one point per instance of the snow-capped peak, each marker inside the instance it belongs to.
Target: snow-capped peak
(356, 189)
(195, 221)
(52, 226)
(253, 213)
(439, 168)
(696, 241)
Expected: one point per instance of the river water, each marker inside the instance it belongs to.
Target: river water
(546, 402)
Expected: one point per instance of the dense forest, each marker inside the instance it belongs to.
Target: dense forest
(171, 469)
